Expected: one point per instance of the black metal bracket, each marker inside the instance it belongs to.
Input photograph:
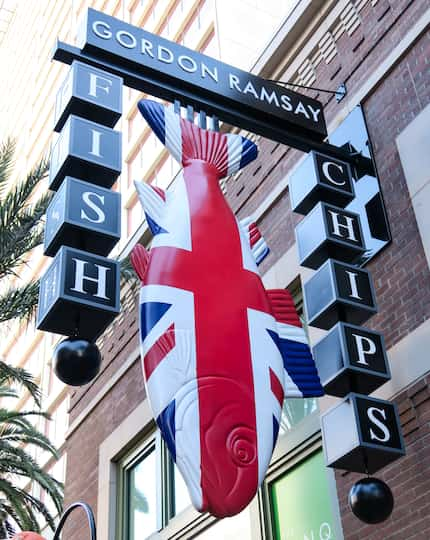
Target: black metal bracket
(90, 516)
(144, 81)
(340, 93)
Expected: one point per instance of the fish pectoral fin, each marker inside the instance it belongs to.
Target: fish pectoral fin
(300, 373)
(257, 243)
(139, 259)
(153, 201)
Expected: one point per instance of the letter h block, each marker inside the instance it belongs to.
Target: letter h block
(320, 178)
(79, 294)
(351, 359)
(328, 231)
(362, 434)
(83, 216)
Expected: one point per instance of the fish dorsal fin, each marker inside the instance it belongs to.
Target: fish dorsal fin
(186, 141)
(153, 201)
(139, 259)
(257, 243)
(301, 376)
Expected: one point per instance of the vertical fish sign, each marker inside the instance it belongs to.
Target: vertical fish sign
(219, 351)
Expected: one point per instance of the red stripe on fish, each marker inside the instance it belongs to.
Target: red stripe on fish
(159, 351)
(276, 387)
(283, 307)
(159, 192)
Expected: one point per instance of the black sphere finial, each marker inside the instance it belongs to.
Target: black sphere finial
(76, 361)
(371, 500)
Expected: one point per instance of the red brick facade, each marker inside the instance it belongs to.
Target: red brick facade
(401, 274)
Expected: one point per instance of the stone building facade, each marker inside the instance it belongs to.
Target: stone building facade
(381, 50)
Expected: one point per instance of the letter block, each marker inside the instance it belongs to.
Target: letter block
(362, 434)
(78, 293)
(339, 292)
(320, 178)
(351, 359)
(83, 216)
(85, 149)
(91, 93)
(328, 231)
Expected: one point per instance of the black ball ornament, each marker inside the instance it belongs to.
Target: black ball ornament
(371, 500)
(76, 361)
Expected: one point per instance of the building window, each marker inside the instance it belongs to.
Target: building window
(140, 486)
(151, 490)
(301, 502)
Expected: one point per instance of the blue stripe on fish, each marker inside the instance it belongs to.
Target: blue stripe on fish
(166, 423)
(150, 314)
(153, 113)
(299, 365)
(275, 431)
(155, 228)
(249, 152)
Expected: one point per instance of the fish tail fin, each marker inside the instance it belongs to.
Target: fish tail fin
(139, 259)
(300, 372)
(186, 141)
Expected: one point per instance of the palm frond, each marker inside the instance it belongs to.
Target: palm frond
(7, 150)
(10, 375)
(19, 302)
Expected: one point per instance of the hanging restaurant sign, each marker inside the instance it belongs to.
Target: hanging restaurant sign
(186, 69)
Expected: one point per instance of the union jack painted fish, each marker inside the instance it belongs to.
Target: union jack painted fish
(219, 352)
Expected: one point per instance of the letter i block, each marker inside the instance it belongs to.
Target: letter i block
(339, 292)
(78, 293)
(320, 178)
(83, 216)
(351, 359)
(91, 93)
(362, 434)
(328, 231)
(87, 150)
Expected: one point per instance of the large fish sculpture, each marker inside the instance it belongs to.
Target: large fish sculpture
(219, 352)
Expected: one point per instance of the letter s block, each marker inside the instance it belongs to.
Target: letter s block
(78, 293)
(83, 216)
(91, 93)
(362, 434)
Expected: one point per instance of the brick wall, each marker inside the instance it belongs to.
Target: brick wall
(408, 477)
(400, 272)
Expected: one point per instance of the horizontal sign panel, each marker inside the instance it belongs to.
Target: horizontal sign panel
(183, 68)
